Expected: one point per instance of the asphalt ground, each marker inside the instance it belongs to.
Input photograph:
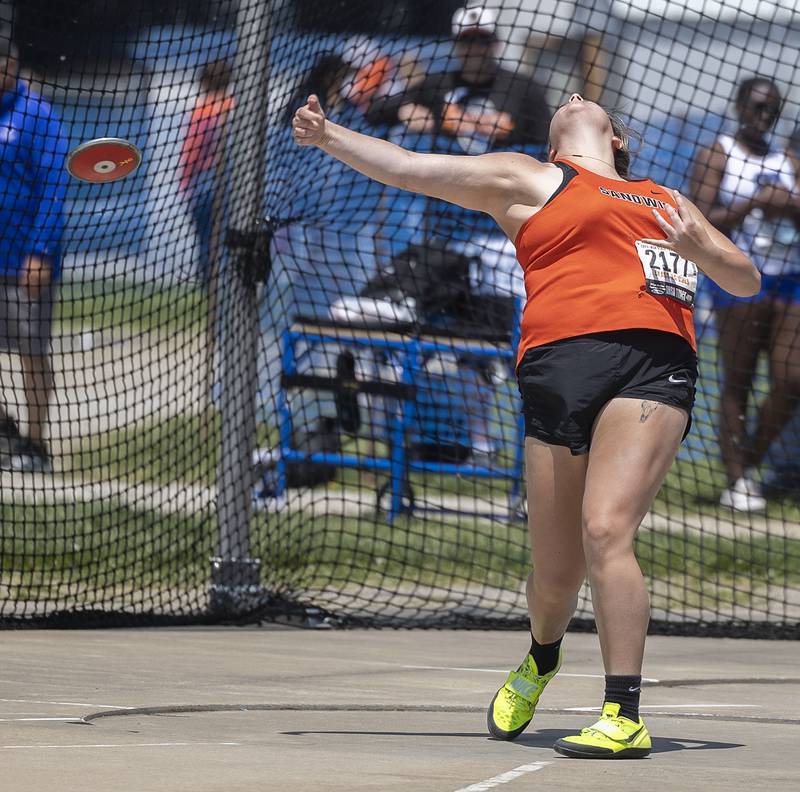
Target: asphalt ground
(281, 709)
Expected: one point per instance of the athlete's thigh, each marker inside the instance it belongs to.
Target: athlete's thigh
(634, 443)
(555, 481)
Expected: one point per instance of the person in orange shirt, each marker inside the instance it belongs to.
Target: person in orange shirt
(607, 371)
(200, 156)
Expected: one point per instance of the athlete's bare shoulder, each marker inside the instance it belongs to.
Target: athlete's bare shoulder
(520, 163)
(529, 180)
(528, 184)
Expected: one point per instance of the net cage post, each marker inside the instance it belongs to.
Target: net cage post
(236, 588)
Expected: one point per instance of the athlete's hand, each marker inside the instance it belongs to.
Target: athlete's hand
(308, 124)
(686, 235)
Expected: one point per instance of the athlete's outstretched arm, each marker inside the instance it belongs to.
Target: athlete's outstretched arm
(691, 235)
(487, 183)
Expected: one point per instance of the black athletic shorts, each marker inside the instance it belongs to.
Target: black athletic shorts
(564, 385)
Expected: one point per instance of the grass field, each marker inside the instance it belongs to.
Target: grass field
(185, 449)
(150, 307)
(50, 552)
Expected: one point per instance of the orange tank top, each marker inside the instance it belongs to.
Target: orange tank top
(587, 271)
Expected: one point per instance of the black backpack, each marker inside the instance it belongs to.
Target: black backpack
(437, 278)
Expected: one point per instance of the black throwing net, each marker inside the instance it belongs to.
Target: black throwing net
(263, 385)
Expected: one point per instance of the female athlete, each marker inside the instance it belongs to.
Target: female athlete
(606, 369)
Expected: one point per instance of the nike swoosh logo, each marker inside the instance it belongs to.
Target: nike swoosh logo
(633, 690)
(525, 689)
(674, 381)
(635, 734)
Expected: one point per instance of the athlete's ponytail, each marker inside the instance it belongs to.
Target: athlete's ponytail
(622, 156)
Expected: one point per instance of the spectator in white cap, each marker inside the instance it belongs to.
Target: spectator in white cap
(480, 104)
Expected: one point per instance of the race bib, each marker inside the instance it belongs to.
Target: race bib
(667, 274)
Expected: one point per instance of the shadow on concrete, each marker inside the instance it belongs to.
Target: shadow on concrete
(473, 735)
(544, 738)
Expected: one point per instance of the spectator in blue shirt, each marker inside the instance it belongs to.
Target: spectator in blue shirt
(32, 187)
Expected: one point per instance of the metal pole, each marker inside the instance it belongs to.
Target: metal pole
(236, 580)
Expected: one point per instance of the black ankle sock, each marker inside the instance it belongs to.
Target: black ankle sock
(624, 690)
(545, 655)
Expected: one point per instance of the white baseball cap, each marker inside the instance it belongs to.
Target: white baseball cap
(474, 21)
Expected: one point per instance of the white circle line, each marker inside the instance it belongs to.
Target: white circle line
(503, 778)
(64, 703)
(25, 720)
(112, 745)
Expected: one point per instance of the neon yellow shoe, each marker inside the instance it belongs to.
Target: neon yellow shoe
(513, 705)
(612, 737)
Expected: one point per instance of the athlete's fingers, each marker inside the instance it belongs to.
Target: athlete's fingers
(310, 126)
(683, 203)
(304, 125)
(308, 122)
(302, 122)
(665, 226)
(309, 112)
(302, 136)
(664, 243)
(306, 114)
(674, 216)
(689, 214)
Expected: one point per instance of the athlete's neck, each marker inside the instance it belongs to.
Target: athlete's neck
(594, 165)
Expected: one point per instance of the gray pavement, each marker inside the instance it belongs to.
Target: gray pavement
(250, 709)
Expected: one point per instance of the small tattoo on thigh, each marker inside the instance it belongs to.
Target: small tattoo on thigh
(648, 408)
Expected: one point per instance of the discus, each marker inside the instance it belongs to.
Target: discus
(103, 160)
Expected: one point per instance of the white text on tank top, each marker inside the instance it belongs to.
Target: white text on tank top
(744, 176)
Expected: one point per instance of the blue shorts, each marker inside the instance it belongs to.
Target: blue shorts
(776, 287)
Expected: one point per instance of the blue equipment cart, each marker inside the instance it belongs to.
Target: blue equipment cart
(417, 411)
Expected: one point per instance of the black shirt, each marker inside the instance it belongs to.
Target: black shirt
(506, 92)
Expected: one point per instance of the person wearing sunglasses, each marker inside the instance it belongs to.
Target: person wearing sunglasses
(748, 189)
